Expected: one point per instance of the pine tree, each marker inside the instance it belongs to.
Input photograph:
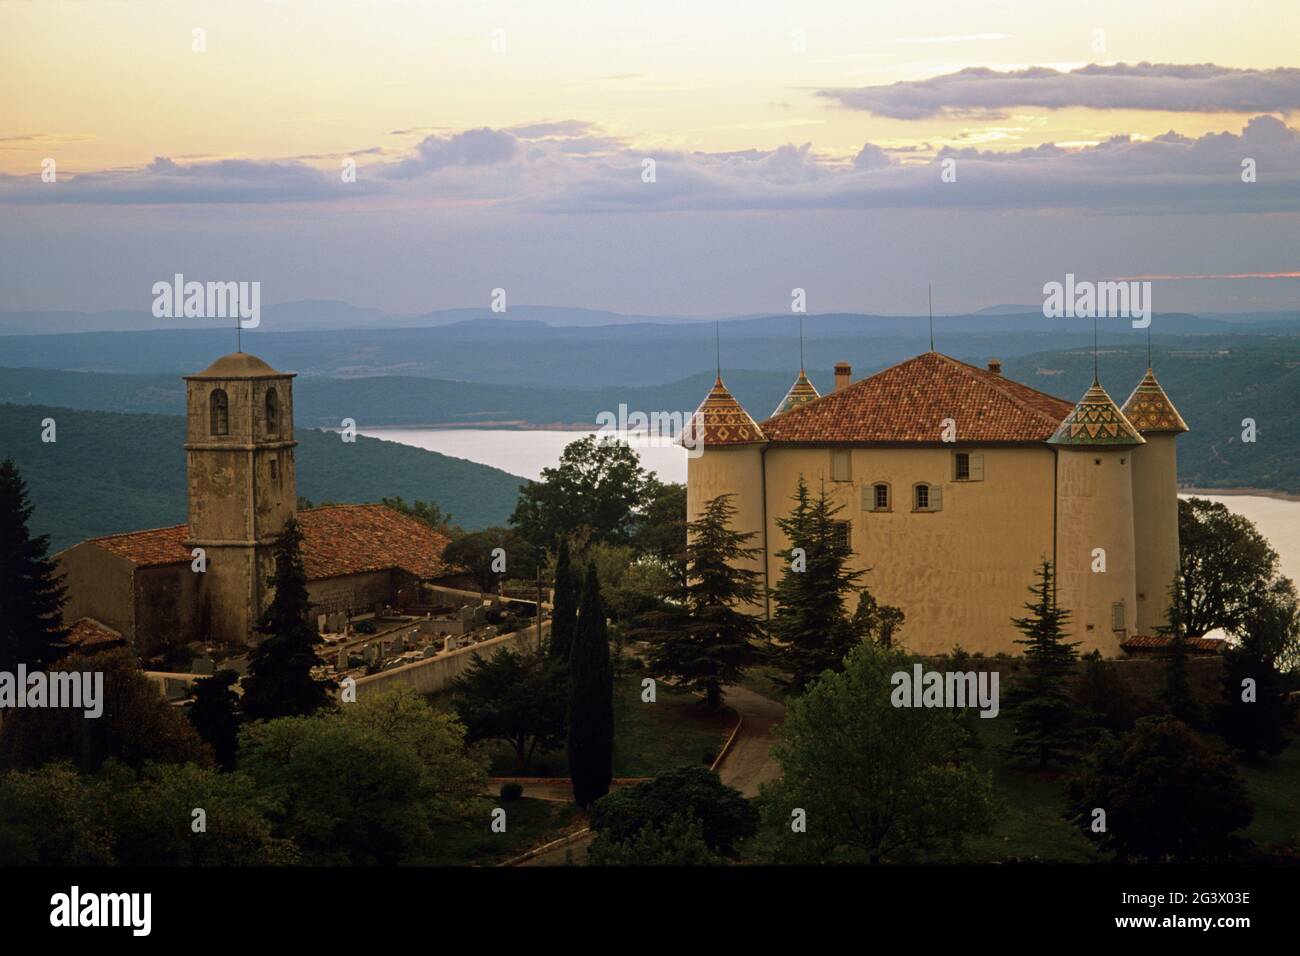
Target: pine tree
(564, 607)
(591, 700)
(31, 592)
(215, 715)
(1177, 694)
(1043, 713)
(704, 639)
(279, 681)
(810, 625)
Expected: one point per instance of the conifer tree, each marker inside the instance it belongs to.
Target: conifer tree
(1043, 713)
(704, 638)
(591, 699)
(279, 681)
(31, 592)
(215, 715)
(1177, 693)
(811, 628)
(564, 607)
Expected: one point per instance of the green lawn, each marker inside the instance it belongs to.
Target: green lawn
(529, 823)
(675, 730)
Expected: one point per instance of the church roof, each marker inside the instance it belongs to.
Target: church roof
(801, 391)
(721, 420)
(908, 402)
(1150, 410)
(239, 365)
(1096, 420)
(337, 540)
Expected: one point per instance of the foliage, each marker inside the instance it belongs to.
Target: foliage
(590, 718)
(725, 818)
(677, 842)
(516, 697)
(427, 512)
(279, 681)
(47, 818)
(1040, 706)
(476, 551)
(661, 526)
(598, 485)
(1176, 695)
(1102, 699)
(703, 639)
(32, 594)
(877, 783)
(1268, 640)
(137, 725)
(215, 715)
(564, 610)
(1166, 795)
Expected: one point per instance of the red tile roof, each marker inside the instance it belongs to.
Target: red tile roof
(1160, 642)
(909, 401)
(87, 633)
(337, 540)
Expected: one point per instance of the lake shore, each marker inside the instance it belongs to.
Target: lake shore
(1249, 492)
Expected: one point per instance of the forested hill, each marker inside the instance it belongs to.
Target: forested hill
(111, 472)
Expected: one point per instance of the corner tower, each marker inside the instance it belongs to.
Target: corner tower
(241, 482)
(725, 456)
(1155, 498)
(1095, 555)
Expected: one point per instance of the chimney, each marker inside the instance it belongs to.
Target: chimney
(995, 366)
(843, 371)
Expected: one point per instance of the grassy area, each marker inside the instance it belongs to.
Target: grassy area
(675, 730)
(762, 679)
(529, 823)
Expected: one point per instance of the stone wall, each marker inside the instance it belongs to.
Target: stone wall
(436, 673)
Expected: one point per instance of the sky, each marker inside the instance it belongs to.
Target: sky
(663, 158)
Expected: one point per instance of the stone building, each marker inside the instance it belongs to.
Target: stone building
(955, 483)
(206, 580)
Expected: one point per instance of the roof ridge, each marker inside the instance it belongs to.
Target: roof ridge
(131, 534)
(995, 382)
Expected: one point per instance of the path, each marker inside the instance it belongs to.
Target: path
(747, 764)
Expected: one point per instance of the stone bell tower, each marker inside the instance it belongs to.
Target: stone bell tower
(242, 487)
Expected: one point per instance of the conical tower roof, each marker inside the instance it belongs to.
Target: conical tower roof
(721, 420)
(1151, 411)
(1096, 420)
(801, 391)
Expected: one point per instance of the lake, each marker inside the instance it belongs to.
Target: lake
(527, 452)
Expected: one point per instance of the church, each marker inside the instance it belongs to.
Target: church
(205, 581)
(955, 482)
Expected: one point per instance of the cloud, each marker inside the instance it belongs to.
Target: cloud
(1142, 86)
(475, 147)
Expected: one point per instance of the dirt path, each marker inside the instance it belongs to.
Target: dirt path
(747, 764)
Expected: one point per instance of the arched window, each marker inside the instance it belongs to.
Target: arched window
(272, 412)
(218, 412)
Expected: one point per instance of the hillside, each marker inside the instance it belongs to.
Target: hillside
(111, 472)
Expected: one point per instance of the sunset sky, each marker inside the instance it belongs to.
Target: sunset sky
(796, 144)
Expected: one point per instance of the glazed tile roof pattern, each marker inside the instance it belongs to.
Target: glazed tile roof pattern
(1096, 420)
(909, 401)
(1150, 410)
(721, 420)
(1157, 642)
(336, 540)
(800, 392)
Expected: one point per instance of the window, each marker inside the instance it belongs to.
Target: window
(876, 497)
(218, 412)
(272, 412)
(275, 469)
(841, 535)
(840, 466)
(968, 466)
(927, 498)
(1117, 616)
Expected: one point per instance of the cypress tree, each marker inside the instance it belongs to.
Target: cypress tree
(1043, 712)
(564, 606)
(591, 700)
(1177, 693)
(31, 592)
(215, 715)
(704, 640)
(279, 681)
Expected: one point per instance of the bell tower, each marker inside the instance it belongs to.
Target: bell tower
(242, 486)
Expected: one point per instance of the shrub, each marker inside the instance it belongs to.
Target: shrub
(511, 791)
